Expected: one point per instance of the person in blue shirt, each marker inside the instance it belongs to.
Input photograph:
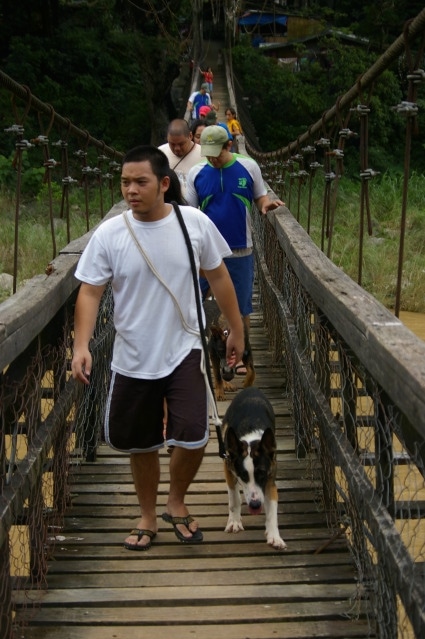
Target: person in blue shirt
(199, 99)
(225, 186)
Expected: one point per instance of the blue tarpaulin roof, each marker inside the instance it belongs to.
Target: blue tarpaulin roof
(262, 18)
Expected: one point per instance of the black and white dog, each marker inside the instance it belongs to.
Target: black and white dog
(249, 438)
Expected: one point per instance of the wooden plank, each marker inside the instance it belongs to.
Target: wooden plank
(115, 488)
(172, 564)
(291, 498)
(165, 548)
(204, 614)
(242, 575)
(132, 509)
(291, 472)
(283, 630)
(251, 522)
(177, 595)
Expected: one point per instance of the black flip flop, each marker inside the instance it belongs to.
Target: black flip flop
(197, 536)
(240, 370)
(139, 532)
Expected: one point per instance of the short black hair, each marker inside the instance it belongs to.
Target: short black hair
(174, 192)
(194, 125)
(148, 153)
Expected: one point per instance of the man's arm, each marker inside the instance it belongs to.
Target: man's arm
(224, 292)
(189, 106)
(191, 195)
(265, 204)
(86, 309)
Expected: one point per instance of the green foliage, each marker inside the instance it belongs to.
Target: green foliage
(283, 104)
(7, 173)
(91, 63)
(380, 250)
(31, 177)
(380, 21)
(32, 181)
(87, 79)
(54, 191)
(34, 229)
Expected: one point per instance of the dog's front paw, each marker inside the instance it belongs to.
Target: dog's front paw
(276, 542)
(233, 525)
(219, 391)
(230, 388)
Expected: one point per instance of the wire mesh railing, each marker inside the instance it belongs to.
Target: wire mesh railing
(356, 381)
(49, 424)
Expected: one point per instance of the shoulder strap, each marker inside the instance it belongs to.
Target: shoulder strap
(183, 157)
(221, 448)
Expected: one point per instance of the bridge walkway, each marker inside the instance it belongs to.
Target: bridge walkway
(220, 91)
(232, 586)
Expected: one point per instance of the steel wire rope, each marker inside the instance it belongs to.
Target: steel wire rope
(18, 128)
(21, 91)
(338, 154)
(414, 28)
(43, 141)
(411, 123)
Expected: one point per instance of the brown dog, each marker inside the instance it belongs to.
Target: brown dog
(217, 333)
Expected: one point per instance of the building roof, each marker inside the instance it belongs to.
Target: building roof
(253, 18)
(340, 35)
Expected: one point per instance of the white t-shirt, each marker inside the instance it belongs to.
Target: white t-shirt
(182, 166)
(191, 99)
(150, 338)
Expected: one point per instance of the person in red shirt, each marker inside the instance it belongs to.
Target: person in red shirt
(208, 78)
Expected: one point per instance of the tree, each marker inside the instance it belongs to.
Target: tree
(300, 99)
(121, 54)
(154, 30)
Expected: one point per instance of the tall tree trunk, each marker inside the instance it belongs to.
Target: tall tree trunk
(159, 67)
(197, 28)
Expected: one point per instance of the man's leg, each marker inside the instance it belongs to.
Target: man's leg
(146, 472)
(240, 366)
(247, 322)
(241, 270)
(187, 425)
(184, 464)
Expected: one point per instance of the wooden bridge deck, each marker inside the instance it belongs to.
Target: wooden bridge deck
(229, 587)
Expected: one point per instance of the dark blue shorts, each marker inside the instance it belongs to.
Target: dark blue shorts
(241, 270)
(134, 420)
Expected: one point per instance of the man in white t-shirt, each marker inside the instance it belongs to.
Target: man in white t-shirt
(182, 152)
(158, 348)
